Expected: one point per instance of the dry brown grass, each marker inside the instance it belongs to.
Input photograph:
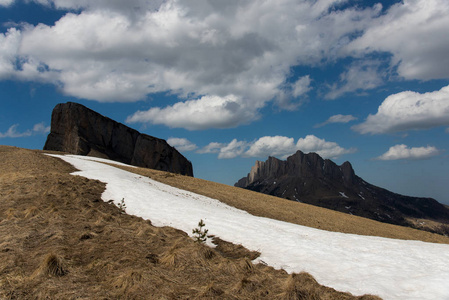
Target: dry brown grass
(52, 265)
(429, 225)
(303, 286)
(58, 240)
(289, 211)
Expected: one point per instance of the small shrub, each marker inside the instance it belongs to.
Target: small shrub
(122, 206)
(200, 234)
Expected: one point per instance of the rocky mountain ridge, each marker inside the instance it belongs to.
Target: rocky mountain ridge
(79, 130)
(311, 179)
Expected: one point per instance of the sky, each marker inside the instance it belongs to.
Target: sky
(231, 82)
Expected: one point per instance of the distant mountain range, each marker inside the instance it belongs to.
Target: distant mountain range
(308, 178)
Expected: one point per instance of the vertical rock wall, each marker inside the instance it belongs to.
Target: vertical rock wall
(79, 130)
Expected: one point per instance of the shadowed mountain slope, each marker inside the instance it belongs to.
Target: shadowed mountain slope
(308, 178)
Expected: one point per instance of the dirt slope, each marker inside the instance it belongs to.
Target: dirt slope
(58, 240)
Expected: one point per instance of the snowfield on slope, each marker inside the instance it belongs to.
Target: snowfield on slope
(389, 268)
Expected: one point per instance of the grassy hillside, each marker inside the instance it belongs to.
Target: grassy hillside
(59, 240)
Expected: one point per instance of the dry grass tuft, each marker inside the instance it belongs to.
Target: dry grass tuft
(210, 291)
(300, 286)
(31, 212)
(129, 282)
(228, 267)
(232, 250)
(247, 265)
(245, 285)
(304, 286)
(11, 213)
(206, 252)
(145, 230)
(52, 265)
(176, 256)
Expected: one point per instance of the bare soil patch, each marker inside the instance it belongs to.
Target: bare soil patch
(59, 240)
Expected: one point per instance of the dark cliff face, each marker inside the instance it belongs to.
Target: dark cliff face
(311, 179)
(78, 130)
(299, 166)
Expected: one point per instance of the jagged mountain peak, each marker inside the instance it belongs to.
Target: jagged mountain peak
(309, 165)
(311, 179)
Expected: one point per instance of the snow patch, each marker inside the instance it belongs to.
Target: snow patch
(343, 195)
(392, 269)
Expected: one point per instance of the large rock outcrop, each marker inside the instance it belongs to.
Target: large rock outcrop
(79, 130)
(311, 179)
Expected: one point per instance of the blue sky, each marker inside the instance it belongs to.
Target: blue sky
(232, 82)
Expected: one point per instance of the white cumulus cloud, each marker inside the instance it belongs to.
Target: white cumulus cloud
(213, 147)
(414, 32)
(9, 45)
(408, 110)
(278, 146)
(233, 149)
(6, 2)
(301, 86)
(337, 119)
(360, 76)
(322, 147)
(40, 128)
(404, 152)
(203, 113)
(12, 131)
(181, 144)
(271, 146)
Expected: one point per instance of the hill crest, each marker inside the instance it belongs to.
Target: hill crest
(48, 213)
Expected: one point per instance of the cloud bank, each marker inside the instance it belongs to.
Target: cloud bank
(278, 146)
(208, 52)
(404, 152)
(414, 33)
(206, 112)
(408, 111)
